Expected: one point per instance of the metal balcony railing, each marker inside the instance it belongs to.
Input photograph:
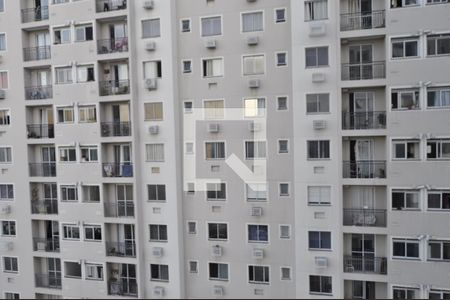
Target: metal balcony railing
(117, 170)
(111, 5)
(110, 129)
(45, 207)
(364, 120)
(363, 20)
(364, 71)
(365, 264)
(124, 249)
(122, 287)
(114, 87)
(364, 169)
(119, 210)
(34, 14)
(365, 217)
(42, 169)
(112, 45)
(48, 281)
(39, 92)
(37, 53)
(41, 131)
(47, 245)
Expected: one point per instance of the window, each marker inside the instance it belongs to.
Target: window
(186, 25)
(187, 66)
(403, 293)
(10, 264)
(2, 5)
(67, 154)
(255, 107)
(71, 232)
(94, 271)
(156, 192)
(256, 191)
(4, 80)
(214, 109)
(215, 150)
(403, 3)
(317, 103)
(437, 1)
(258, 233)
(63, 75)
(255, 150)
(69, 193)
(285, 231)
(65, 115)
(89, 153)
(5, 155)
(217, 231)
(318, 149)
(320, 284)
(258, 274)
(284, 189)
(2, 42)
(91, 193)
(438, 97)
(316, 10)
(280, 15)
(439, 200)
(193, 266)
(253, 65)
(216, 191)
(283, 146)
(62, 35)
(405, 99)
(192, 227)
(316, 57)
(159, 272)
(8, 228)
(155, 152)
(151, 28)
(211, 26)
(87, 114)
(84, 33)
(319, 240)
(439, 250)
(7, 294)
(92, 233)
(218, 271)
(281, 58)
(405, 248)
(187, 107)
(6, 192)
(152, 69)
(438, 149)
(153, 111)
(253, 21)
(85, 73)
(212, 67)
(408, 149)
(5, 117)
(158, 233)
(438, 44)
(319, 195)
(405, 199)
(405, 48)
(439, 294)
(282, 103)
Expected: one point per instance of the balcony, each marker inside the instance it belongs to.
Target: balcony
(48, 281)
(116, 45)
(364, 169)
(119, 210)
(41, 131)
(34, 14)
(42, 169)
(114, 87)
(44, 207)
(47, 245)
(39, 92)
(122, 287)
(364, 71)
(363, 120)
(36, 53)
(365, 20)
(111, 129)
(365, 264)
(110, 5)
(117, 170)
(124, 249)
(365, 217)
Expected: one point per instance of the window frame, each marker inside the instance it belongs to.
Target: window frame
(153, 113)
(252, 269)
(65, 109)
(160, 274)
(246, 13)
(404, 41)
(215, 144)
(157, 187)
(94, 231)
(260, 151)
(320, 202)
(216, 236)
(11, 263)
(160, 233)
(90, 149)
(320, 145)
(436, 38)
(150, 20)
(321, 285)
(406, 192)
(275, 12)
(218, 278)
(258, 199)
(11, 228)
(258, 229)
(317, 65)
(202, 35)
(406, 242)
(406, 143)
(399, 92)
(321, 240)
(246, 73)
(69, 231)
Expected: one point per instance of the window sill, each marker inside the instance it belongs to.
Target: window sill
(159, 280)
(257, 282)
(218, 279)
(321, 294)
(259, 242)
(158, 241)
(407, 258)
(320, 250)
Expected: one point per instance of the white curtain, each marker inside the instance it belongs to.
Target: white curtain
(252, 22)
(445, 98)
(254, 65)
(316, 10)
(354, 6)
(211, 26)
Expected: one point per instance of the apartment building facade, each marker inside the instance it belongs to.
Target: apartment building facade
(317, 164)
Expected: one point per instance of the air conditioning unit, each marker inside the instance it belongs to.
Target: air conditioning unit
(258, 253)
(218, 290)
(158, 291)
(5, 210)
(211, 44)
(257, 211)
(321, 262)
(318, 77)
(253, 127)
(148, 4)
(319, 124)
(252, 40)
(7, 246)
(253, 83)
(150, 46)
(157, 251)
(2, 94)
(213, 127)
(216, 251)
(151, 84)
(153, 129)
(317, 29)
(41, 246)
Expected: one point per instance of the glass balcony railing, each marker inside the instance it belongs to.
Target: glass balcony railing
(34, 14)
(112, 45)
(363, 20)
(364, 71)
(363, 120)
(364, 169)
(117, 170)
(365, 264)
(365, 217)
